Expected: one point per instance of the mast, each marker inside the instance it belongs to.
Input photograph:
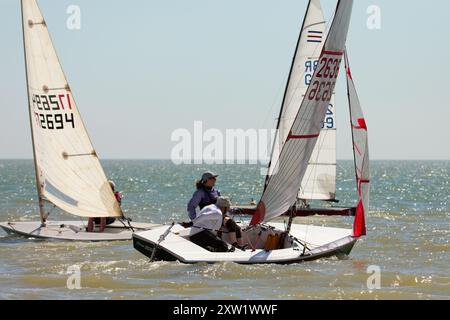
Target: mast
(286, 91)
(36, 168)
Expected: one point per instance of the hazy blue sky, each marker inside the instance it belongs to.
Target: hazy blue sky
(140, 69)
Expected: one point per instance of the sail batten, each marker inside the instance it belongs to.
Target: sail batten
(69, 173)
(283, 185)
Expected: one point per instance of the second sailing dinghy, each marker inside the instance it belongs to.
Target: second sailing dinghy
(319, 181)
(68, 173)
(274, 242)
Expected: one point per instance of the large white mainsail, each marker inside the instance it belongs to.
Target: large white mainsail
(361, 154)
(309, 46)
(282, 187)
(68, 171)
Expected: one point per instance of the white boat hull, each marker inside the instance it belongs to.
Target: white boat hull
(73, 230)
(323, 242)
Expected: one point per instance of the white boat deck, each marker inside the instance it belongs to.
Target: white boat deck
(318, 239)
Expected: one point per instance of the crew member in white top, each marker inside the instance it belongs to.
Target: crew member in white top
(213, 217)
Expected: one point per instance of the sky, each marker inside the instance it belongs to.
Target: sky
(141, 69)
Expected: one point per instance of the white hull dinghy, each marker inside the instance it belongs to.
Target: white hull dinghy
(73, 230)
(293, 242)
(321, 243)
(68, 171)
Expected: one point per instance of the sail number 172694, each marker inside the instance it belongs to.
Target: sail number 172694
(53, 112)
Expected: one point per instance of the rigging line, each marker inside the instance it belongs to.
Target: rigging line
(273, 105)
(82, 222)
(128, 220)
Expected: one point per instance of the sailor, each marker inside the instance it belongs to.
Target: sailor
(208, 225)
(103, 222)
(205, 195)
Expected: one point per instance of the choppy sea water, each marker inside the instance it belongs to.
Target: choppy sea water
(408, 239)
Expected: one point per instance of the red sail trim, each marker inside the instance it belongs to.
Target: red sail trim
(362, 123)
(359, 227)
(259, 214)
(349, 73)
(357, 149)
(295, 137)
(361, 181)
(333, 53)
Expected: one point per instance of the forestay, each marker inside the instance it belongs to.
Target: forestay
(361, 154)
(69, 173)
(282, 187)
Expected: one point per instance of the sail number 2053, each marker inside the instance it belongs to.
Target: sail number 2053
(321, 89)
(53, 112)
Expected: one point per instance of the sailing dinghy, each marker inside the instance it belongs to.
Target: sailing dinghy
(293, 243)
(68, 172)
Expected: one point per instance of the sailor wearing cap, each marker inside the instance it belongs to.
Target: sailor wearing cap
(205, 195)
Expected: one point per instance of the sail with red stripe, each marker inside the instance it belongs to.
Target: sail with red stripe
(361, 154)
(283, 186)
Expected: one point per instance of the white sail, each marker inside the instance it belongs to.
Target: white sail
(283, 187)
(68, 170)
(361, 154)
(319, 182)
(312, 38)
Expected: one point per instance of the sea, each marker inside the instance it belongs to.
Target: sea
(405, 255)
